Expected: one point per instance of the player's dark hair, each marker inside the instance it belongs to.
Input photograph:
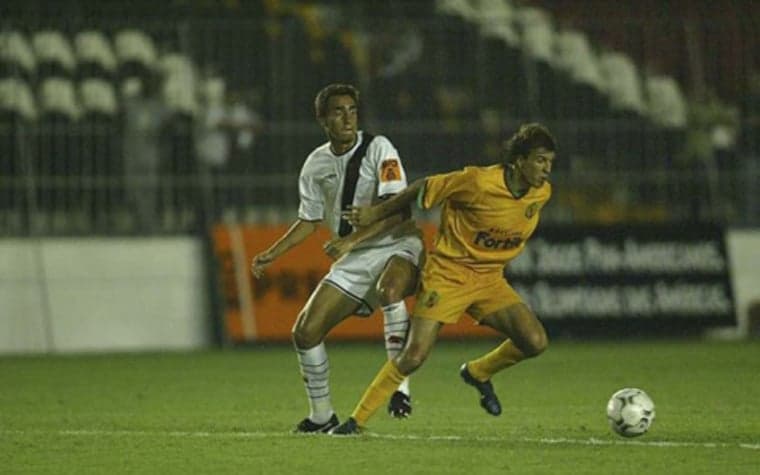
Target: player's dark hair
(323, 96)
(528, 137)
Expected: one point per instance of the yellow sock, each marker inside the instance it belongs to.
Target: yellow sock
(503, 356)
(386, 381)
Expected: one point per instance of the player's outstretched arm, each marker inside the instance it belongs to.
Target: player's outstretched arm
(297, 233)
(337, 247)
(364, 216)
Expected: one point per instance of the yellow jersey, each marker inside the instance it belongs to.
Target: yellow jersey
(483, 225)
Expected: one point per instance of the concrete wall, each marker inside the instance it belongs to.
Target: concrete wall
(744, 255)
(103, 294)
(135, 294)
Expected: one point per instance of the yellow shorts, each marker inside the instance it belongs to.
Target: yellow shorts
(447, 290)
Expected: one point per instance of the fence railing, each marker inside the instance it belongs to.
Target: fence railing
(444, 103)
(77, 182)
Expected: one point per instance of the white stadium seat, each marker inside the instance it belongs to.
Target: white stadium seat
(180, 96)
(57, 95)
(98, 96)
(15, 49)
(622, 82)
(497, 20)
(460, 8)
(93, 46)
(666, 103)
(16, 96)
(53, 47)
(575, 56)
(494, 11)
(137, 46)
(538, 34)
(213, 90)
(176, 64)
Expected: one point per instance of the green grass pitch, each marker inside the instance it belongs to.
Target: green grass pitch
(232, 412)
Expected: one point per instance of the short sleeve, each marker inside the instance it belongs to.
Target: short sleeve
(311, 208)
(454, 185)
(391, 177)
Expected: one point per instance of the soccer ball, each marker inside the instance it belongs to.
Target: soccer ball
(630, 412)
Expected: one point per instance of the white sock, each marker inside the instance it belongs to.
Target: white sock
(315, 369)
(396, 326)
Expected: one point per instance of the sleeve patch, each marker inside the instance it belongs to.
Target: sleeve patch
(390, 170)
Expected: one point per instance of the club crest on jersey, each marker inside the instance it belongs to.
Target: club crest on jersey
(531, 210)
(430, 298)
(390, 170)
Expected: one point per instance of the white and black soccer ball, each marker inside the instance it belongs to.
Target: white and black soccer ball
(630, 412)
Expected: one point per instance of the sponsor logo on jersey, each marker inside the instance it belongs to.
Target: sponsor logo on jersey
(390, 170)
(487, 240)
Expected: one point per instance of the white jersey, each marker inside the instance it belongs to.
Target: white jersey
(320, 184)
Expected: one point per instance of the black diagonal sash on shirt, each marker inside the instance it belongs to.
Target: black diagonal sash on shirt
(349, 183)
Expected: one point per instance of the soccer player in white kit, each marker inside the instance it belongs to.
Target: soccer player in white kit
(376, 265)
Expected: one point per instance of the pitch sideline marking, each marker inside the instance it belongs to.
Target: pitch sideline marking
(429, 438)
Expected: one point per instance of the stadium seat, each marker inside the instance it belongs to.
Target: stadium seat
(537, 33)
(129, 87)
(55, 56)
(135, 52)
(502, 54)
(101, 167)
(98, 97)
(497, 19)
(584, 97)
(57, 157)
(503, 29)
(578, 60)
(176, 64)
(17, 57)
(180, 95)
(665, 102)
(627, 105)
(494, 11)
(58, 96)
(459, 8)
(458, 19)
(212, 90)
(180, 83)
(538, 43)
(17, 109)
(95, 55)
(622, 82)
(17, 99)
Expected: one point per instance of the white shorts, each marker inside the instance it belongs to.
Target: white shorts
(356, 273)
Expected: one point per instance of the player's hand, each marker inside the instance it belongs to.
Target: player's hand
(361, 216)
(338, 247)
(260, 262)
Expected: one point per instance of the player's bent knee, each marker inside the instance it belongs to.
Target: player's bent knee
(535, 344)
(305, 336)
(389, 293)
(410, 359)
(304, 341)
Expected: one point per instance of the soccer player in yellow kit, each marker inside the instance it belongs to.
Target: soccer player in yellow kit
(488, 214)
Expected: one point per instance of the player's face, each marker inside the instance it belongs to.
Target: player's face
(536, 167)
(341, 119)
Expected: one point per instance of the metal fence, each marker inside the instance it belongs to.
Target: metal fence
(445, 88)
